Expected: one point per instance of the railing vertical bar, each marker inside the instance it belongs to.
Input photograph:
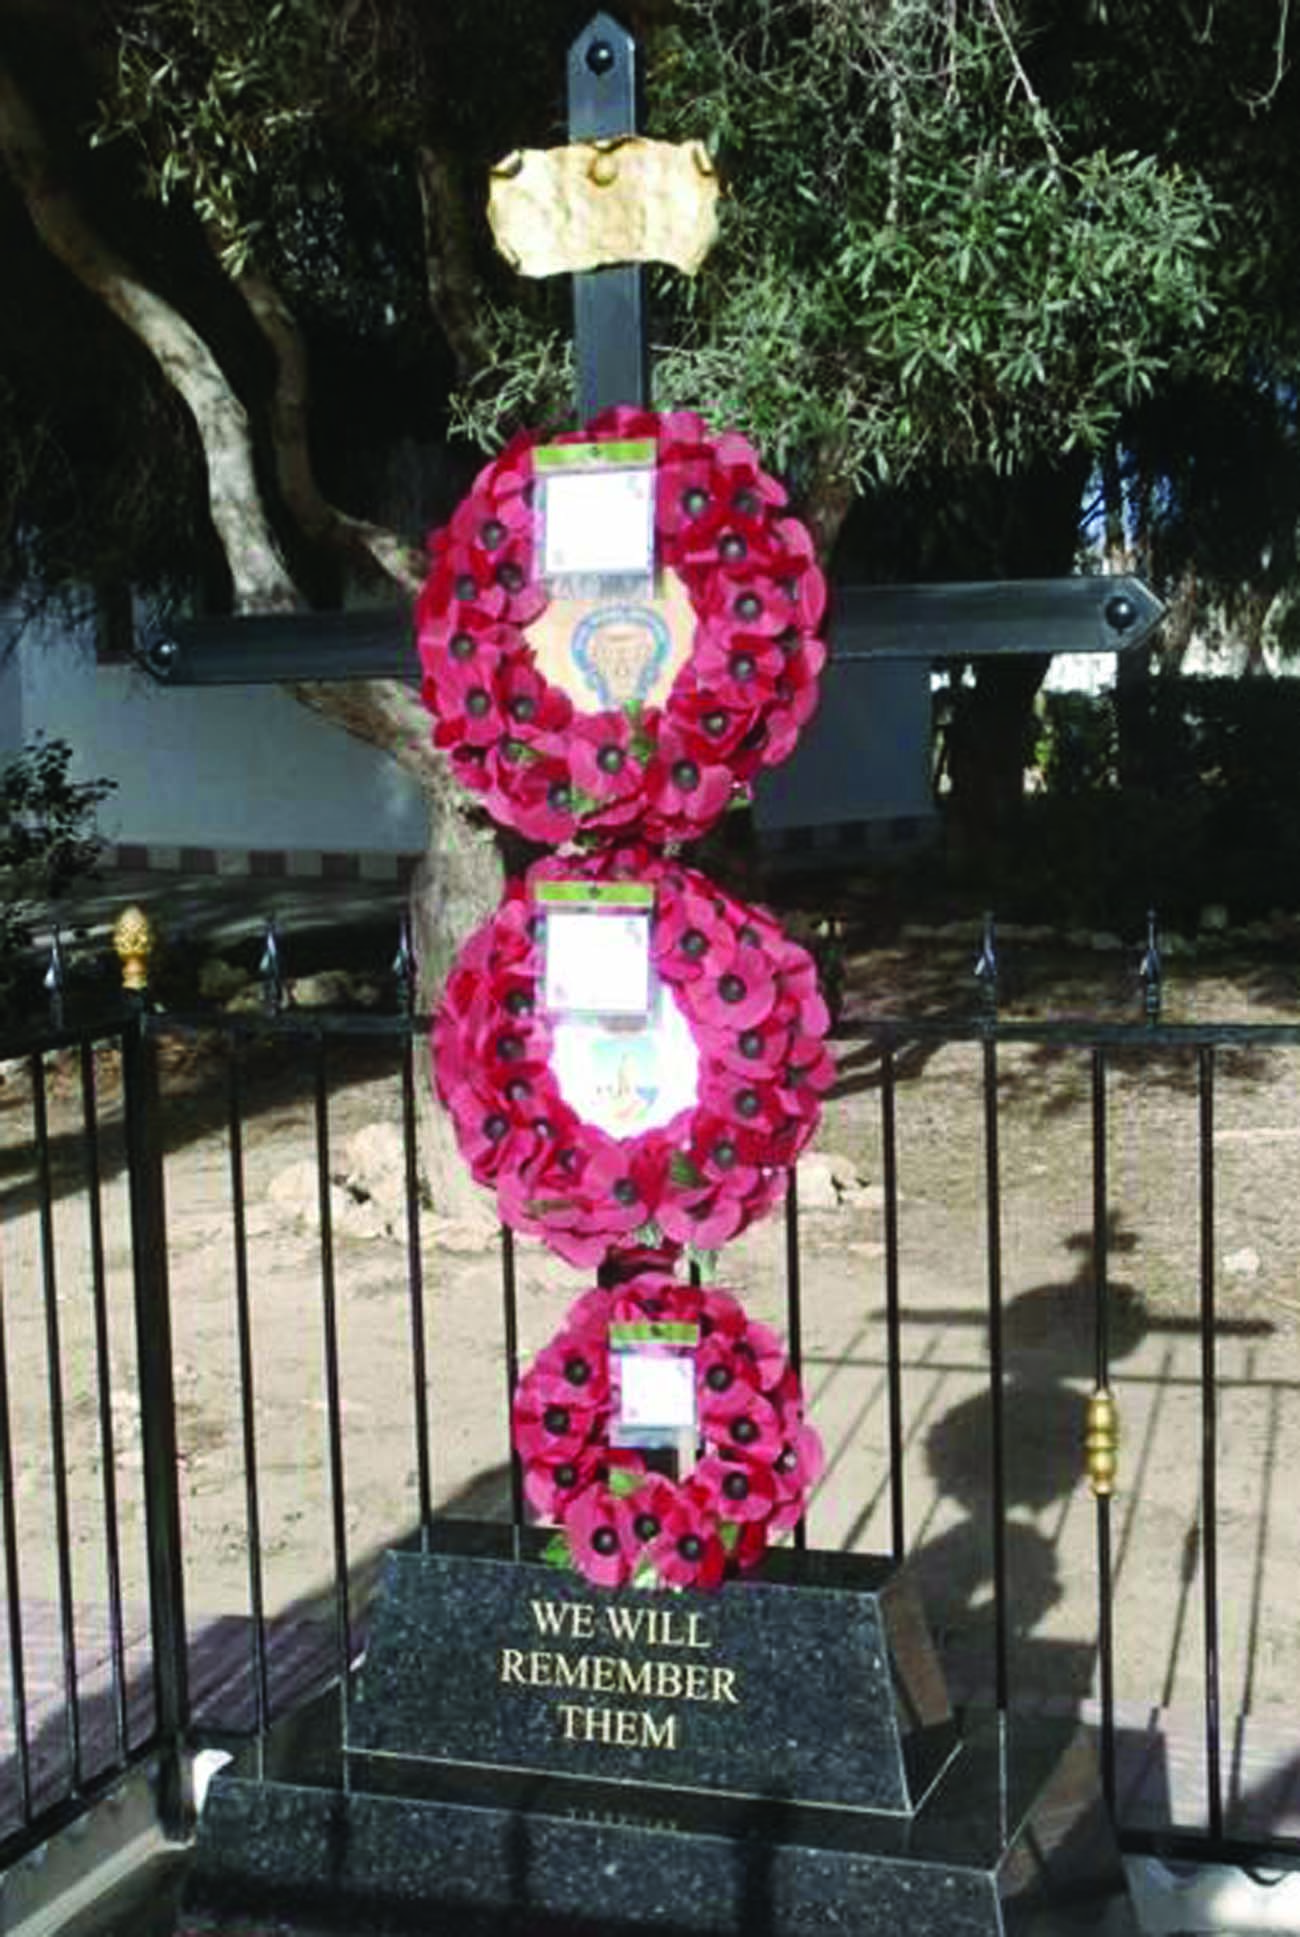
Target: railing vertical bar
(104, 1397)
(333, 1395)
(13, 1586)
(415, 1288)
(510, 1323)
(997, 1446)
(158, 1442)
(1209, 1449)
(1101, 1376)
(893, 1307)
(58, 1428)
(794, 1306)
(247, 1386)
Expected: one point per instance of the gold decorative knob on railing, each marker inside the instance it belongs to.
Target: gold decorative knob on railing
(1101, 1442)
(133, 940)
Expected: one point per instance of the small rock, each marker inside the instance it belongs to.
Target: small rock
(1242, 1264)
(219, 980)
(375, 1168)
(817, 1190)
(328, 989)
(1214, 918)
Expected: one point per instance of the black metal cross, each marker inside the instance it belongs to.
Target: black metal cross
(869, 625)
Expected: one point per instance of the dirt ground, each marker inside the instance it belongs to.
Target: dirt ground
(1045, 1126)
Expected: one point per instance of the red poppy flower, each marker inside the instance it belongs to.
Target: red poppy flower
(688, 1550)
(591, 1523)
(734, 1489)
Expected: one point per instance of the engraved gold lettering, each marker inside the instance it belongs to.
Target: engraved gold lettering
(576, 1618)
(623, 1728)
(603, 1674)
(539, 1669)
(626, 1623)
(634, 1677)
(724, 1686)
(572, 1674)
(668, 1681)
(512, 1664)
(693, 1636)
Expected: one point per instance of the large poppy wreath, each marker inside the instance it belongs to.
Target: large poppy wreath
(731, 982)
(738, 701)
(620, 1522)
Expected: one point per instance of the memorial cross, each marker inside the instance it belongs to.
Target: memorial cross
(870, 625)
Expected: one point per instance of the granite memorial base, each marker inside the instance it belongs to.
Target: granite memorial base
(529, 1756)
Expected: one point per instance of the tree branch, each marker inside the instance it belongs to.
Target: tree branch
(261, 578)
(318, 518)
(454, 295)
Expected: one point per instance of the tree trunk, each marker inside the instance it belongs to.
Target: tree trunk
(989, 741)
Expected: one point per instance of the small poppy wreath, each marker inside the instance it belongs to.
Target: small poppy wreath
(737, 704)
(749, 997)
(619, 1522)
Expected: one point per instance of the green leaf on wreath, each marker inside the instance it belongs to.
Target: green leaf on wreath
(729, 1535)
(645, 1576)
(557, 1552)
(624, 1483)
(682, 1171)
(706, 1262)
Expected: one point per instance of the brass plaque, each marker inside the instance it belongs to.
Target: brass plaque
(561, 210)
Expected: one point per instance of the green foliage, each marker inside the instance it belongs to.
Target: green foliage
(48, 837)
(1077, 746)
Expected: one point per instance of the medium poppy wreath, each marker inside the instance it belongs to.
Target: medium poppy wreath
(620, 1522)
(554, 771)
(749, 997)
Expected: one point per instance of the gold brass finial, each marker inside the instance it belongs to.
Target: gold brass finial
(1101, 1442)
(133, 939)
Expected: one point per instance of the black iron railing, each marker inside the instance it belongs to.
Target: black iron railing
(151, 1693)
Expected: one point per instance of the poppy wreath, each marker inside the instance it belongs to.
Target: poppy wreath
(750, 999)
(737, 704)
(620, 1522)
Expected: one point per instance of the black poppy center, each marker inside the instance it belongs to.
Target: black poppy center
(466, 587)
(510, 577)
(748, 1104)
(510, 1048)
(686, 775)
(462, 646)
(566, 1475)
(605, 1540)
(577, 1371)
(559, 797)
(751, 1044)
(610, 759)
(645, 1526)
(715, 723)
(690, 1546)
(694, 501)
(736, 1486)
(732, 548)
(626, 1191)
(724, 1155)
(495, 1127)
(748, 605)
(476, 702)
(787, 1462)
(556, 1419)
(523, 707)
(718, 1378)
(694, 943)
(519, 1003)
(731, 988)
(744, 1432)
(492, 533)
(743, 668)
